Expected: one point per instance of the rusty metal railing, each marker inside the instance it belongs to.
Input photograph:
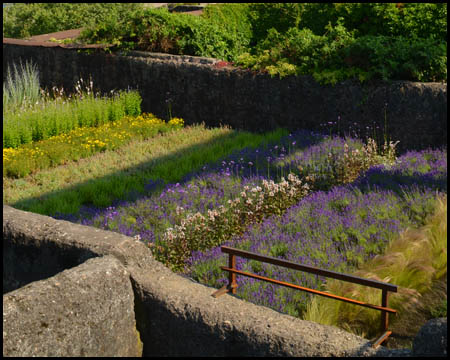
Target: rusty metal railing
(385, 287)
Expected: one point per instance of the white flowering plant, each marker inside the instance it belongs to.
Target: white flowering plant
(201, 232)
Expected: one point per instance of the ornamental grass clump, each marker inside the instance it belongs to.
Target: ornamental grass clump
(21, 88)
(412, 261)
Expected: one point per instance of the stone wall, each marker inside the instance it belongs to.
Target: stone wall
(203, 90)
(29, 259)
(88, 310)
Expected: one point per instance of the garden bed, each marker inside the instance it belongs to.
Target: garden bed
(341, 203)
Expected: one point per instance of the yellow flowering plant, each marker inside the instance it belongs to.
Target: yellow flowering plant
(83, 142)
(176, 122)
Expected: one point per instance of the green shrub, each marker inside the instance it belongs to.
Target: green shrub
(338, 55)
(158, 30)
(334, 42)
(232, 19)
(305, 52)
(278, 16)
(389, 19)
(331, 41)
(398, 58)
(27, 19)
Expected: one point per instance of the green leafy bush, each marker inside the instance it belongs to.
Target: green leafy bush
(158, 30)
(334, 42)
(278, 16)
(338, 55)
(398, 58)
(331, 41)
(22, 20)
(232, 19)
(395, 19)
(299, 51)
(388, 19)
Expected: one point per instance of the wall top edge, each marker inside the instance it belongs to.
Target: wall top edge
(205, 62)
(22, 42)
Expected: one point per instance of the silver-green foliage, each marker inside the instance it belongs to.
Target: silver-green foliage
(22, 86)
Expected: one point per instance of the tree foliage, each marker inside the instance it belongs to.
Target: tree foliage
(331, 41)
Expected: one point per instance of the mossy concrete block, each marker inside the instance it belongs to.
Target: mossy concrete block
(84, 311)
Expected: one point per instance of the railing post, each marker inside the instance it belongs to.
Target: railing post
(232, 275)
(384, 314)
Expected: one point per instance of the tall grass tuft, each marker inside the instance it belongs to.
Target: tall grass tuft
(21, 88)
(412, 262)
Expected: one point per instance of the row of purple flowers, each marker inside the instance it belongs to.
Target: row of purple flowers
(150, 215)
(336, 230)
(334, 227)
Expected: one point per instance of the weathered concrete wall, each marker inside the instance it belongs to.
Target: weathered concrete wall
(29, 259)
(84, 311)
(175, 316)
(202, 91)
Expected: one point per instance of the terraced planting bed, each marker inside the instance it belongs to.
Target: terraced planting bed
(304, 197)
(339, 203)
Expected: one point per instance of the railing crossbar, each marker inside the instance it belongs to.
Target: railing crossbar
(310, 269)
(317, 292)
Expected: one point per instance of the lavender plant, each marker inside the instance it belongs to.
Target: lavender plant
(338, 230)
(426, 169)
(244, 201)
(237, 192)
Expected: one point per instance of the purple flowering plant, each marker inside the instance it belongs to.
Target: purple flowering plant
(209, 201)
(244, 200)
(314, 199)
(336, 230)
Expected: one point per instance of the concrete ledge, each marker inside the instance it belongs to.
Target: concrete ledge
(174, 315)
(84, 311)
(228, 326)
